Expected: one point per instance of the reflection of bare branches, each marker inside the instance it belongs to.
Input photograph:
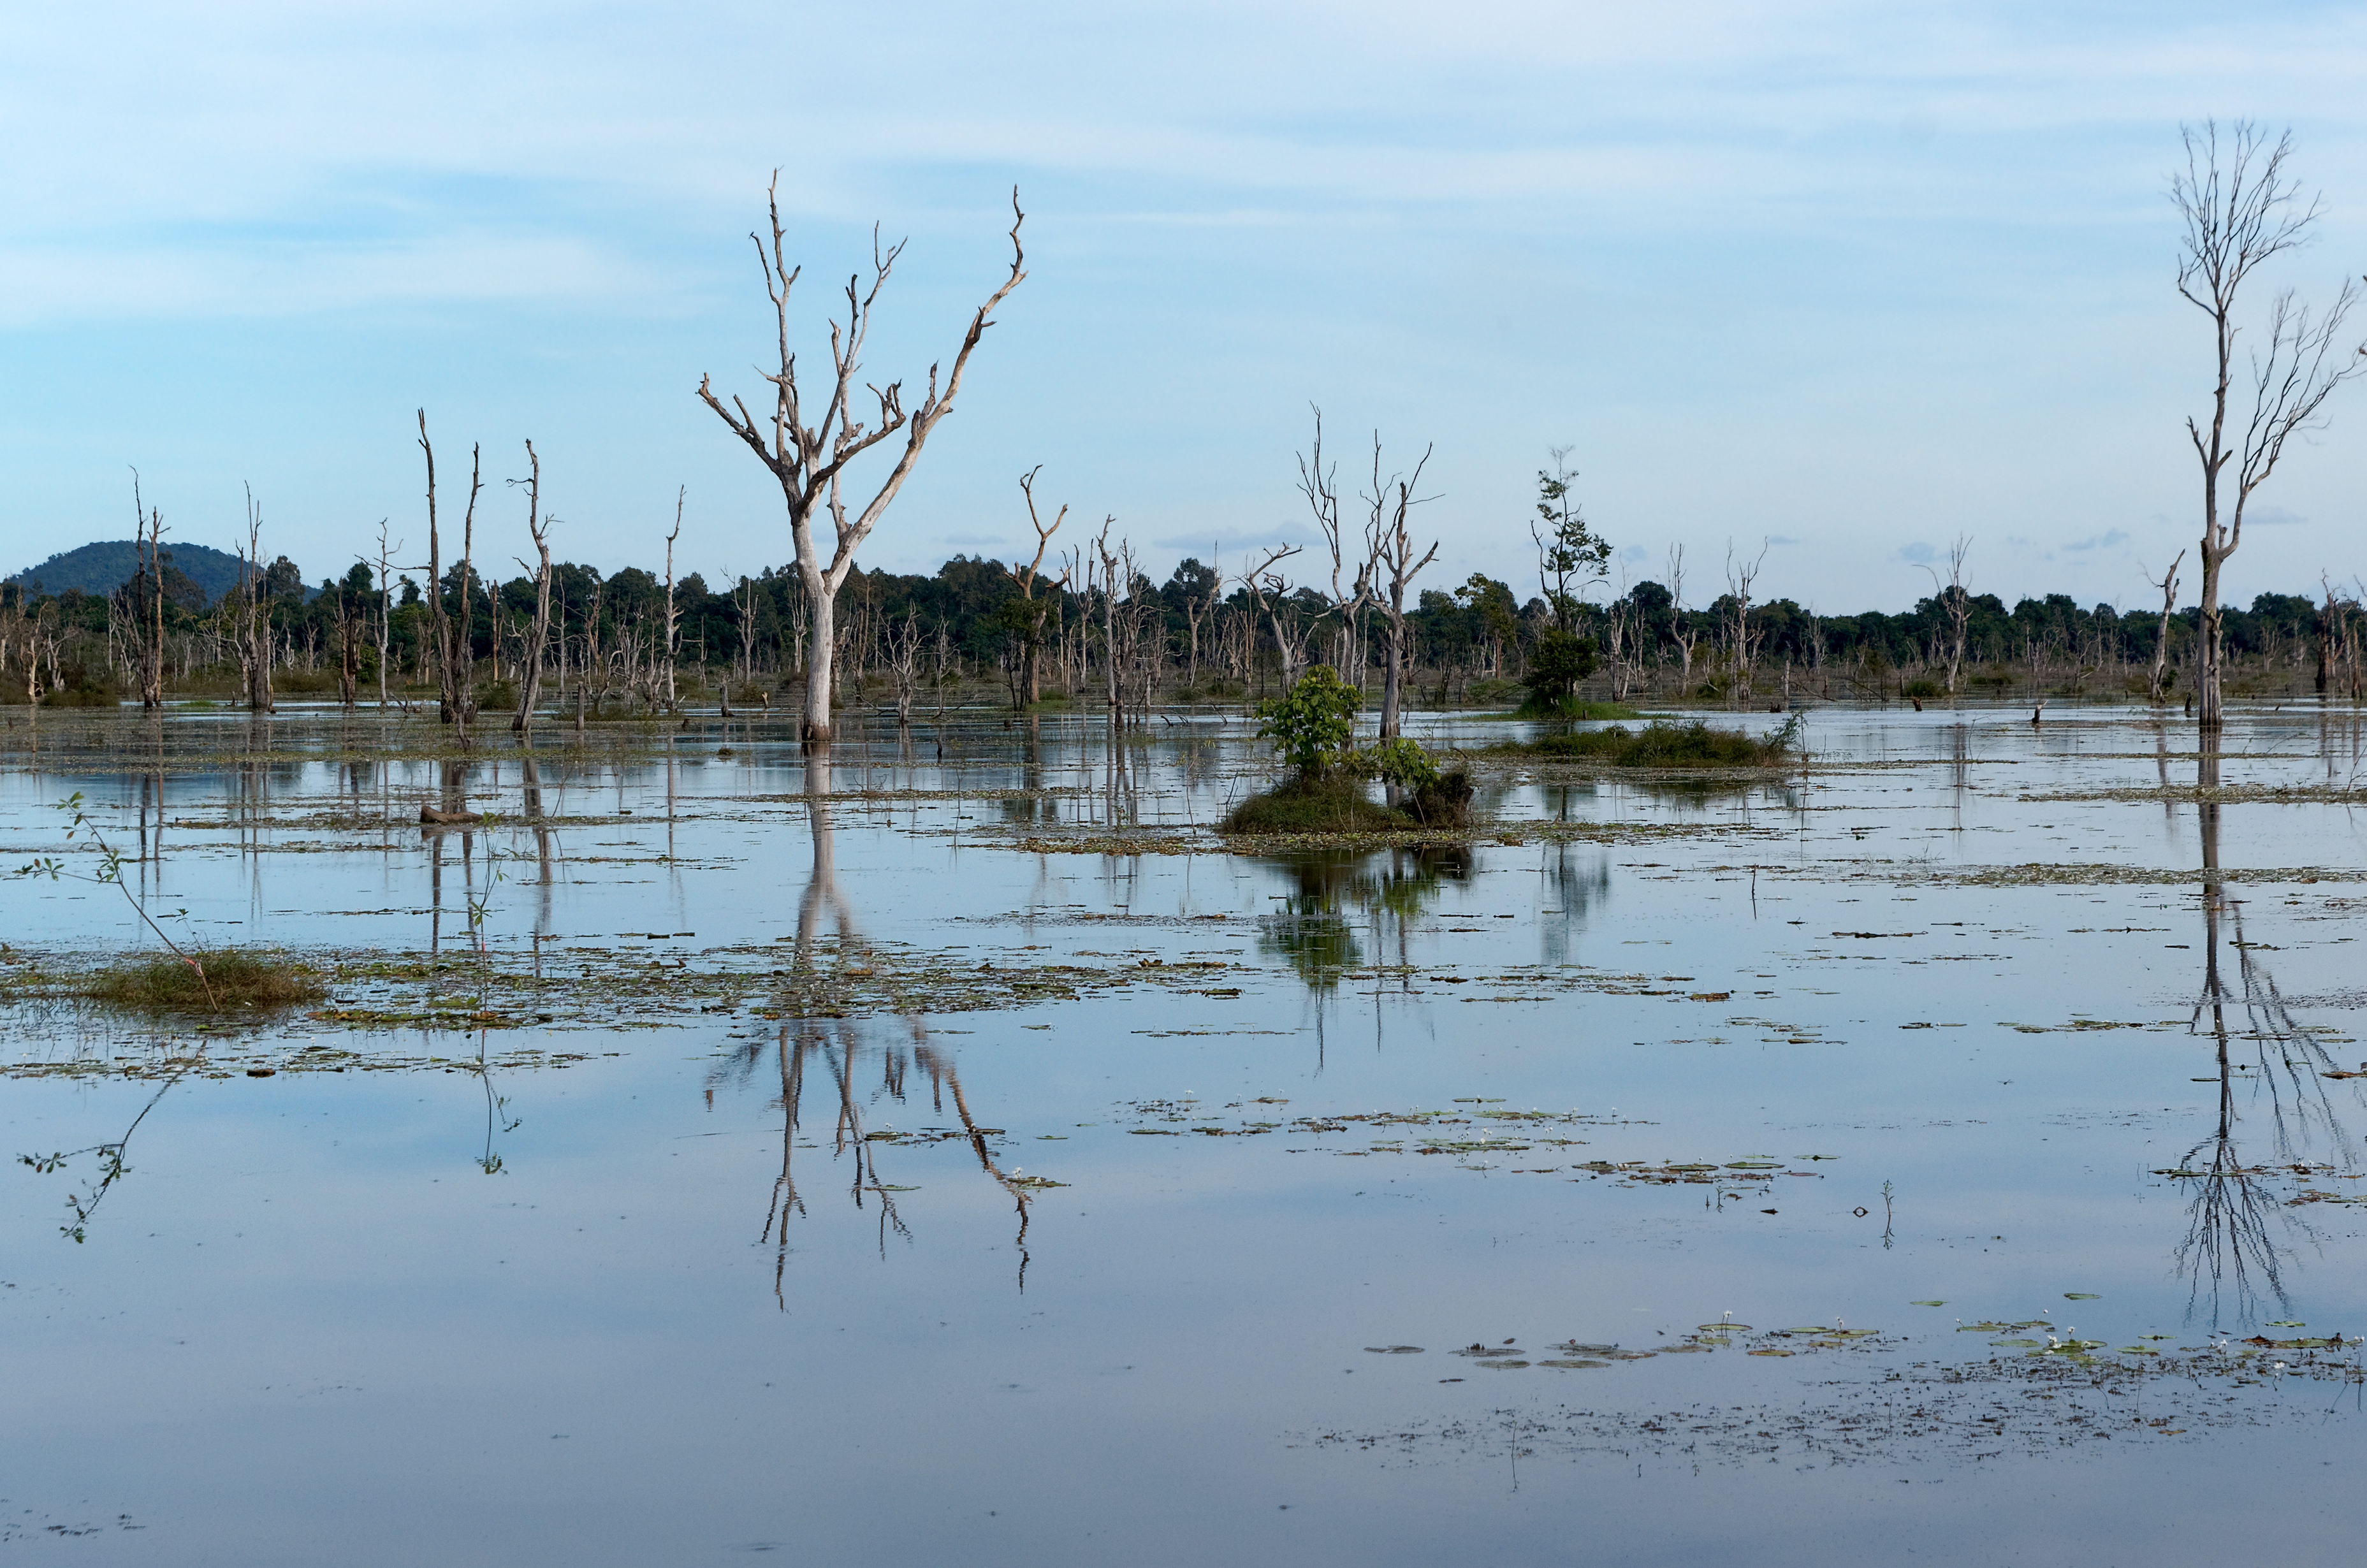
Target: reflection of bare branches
(820, 1033)
(2234, 1242)
(942, 1070)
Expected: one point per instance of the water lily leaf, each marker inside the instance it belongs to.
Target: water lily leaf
(1568, 1366)
(2081, 1296)
(1927, 1304)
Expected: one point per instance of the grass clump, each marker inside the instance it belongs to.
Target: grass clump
(1328, 805)
(233, 981)
(1662, 744)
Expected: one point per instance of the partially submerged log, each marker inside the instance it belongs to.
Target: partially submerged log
(431, 817)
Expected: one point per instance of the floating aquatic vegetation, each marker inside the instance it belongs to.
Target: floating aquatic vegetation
(1864, 1403)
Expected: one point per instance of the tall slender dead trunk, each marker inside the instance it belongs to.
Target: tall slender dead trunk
(809, 462)
(530, 683)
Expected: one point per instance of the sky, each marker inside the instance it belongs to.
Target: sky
(1833, 281)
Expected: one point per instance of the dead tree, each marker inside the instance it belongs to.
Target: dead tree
(1681, 628)
(2239, 208)
(1318, 484)
(1956, 604)
(349, 637)
(1030, 616)
(254, 637)
(743, 610)
(673, 615)
(1740, 575)
(530, 687)
(451, 673)
(1114, 694)
(385, 610)
(903, 650)
(1389, 545)
(2157, 688)
(148, 524)
(1269, 594)
(809, 462)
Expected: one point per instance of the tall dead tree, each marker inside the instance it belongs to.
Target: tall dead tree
(149, 594)
(255, 635)
(1028, 616)
(809, 461)
(452, 650)
(1390, 567)
(385, 609)
(530, 685)
(672, 616)
(1269, 594)
(2157, 688)
(1955, 605)
(2239, 208)
(1740, 575)
(1682, 630)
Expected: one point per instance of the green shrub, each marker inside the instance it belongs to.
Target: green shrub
(1313, 725)
(1556, 664)
(1397, 760)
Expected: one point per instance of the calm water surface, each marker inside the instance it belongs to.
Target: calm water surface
(1116, 1275)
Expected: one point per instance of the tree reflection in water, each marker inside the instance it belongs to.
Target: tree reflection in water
(2238, 1232)
(861, 1070)
(1387, 890)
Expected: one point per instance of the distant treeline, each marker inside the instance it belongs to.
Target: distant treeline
(1197, 628)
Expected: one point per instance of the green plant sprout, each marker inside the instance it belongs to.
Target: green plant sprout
(111, 871)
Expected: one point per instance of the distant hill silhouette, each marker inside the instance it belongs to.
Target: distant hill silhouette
(106, 566)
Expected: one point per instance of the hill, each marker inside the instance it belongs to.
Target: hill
(106, 566)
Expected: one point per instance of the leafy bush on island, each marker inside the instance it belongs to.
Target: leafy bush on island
(1312, 727)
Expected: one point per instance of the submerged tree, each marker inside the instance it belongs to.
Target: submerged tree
(2240, 209)
(809, 461)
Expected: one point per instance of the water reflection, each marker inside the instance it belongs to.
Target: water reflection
(860, 1072)
(2239, 1232)
(1388, 890)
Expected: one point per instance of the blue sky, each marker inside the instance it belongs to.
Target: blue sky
(1856, 278)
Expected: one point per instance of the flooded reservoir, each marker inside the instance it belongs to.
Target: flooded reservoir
(1946, 1149)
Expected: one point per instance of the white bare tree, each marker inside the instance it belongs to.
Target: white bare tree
(2239, 208)
(530, 682)
(809, 461)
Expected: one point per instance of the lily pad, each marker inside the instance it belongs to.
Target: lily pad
(2081, 1296)
(1394, 1349)
(1567, 1366)
(1927, 1304)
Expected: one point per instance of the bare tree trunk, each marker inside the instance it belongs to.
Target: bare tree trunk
(2154, 690)
(385, 611)
(530, 686)
(809, 462)
(673, 621)
(2239, 210)
(254, 637)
